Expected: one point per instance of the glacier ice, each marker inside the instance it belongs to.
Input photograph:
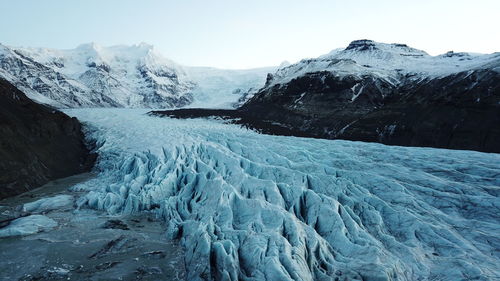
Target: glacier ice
(257, 207)
(222, 88)
(28, 225)
(48, 204)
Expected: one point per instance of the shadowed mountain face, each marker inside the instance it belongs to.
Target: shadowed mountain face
(460, 111)
(37, 143)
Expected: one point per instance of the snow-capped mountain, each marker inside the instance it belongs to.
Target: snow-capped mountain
(120, 76)
(388, 93)
(388, 61)
(42, 83)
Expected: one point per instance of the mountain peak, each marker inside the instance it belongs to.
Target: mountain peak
(362, 45)
(370, 45)
(141, 49)
(369, 48)
(89, 46)
(145, 46)
(284, 63)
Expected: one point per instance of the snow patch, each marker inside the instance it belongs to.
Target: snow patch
(28, 225)
(136, 76)
(48, 204)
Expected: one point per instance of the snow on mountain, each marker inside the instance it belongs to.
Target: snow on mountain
(386, 61)
(121, 76)
(42, 83)
(257, 207)
(139, 76)
(388, 93)
(221, 88)
(126, 76)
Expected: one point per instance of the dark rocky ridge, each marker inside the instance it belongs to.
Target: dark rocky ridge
(361, 45)
(37, 143)
(459, 111)
(234, 116)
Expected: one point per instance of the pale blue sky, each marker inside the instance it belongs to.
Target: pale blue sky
(251, 33)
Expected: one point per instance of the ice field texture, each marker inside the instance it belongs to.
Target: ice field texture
(47, 204)
(28, 225)
(258, 207)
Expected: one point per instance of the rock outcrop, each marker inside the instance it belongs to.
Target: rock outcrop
(37, 143)
(459, 111)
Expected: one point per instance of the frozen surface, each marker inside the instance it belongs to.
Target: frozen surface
(221, 88)
(47, 204)
(257, 207)
(28, 225)
(86, 244)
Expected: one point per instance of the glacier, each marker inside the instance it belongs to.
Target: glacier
(28, 225)
(247, 206)
(48, 204)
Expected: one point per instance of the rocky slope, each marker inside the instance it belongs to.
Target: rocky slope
(121, 76)
(388, 93)
(37, 143)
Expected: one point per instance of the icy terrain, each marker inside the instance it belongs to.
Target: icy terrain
(221, 88)
(257, 207)
(28, 225)
(69, 244)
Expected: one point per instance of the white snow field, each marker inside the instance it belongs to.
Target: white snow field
(257, 207)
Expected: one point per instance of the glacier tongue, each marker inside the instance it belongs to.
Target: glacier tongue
(257, 207)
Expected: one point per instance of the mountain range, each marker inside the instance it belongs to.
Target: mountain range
(388, 93)
(369, 91)
(121, 76)
(378, 92)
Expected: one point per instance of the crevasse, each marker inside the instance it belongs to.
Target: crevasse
(255, 207)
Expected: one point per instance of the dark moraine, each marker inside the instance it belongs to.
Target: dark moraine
(234, 116)
(37, 143)
(459, 111)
